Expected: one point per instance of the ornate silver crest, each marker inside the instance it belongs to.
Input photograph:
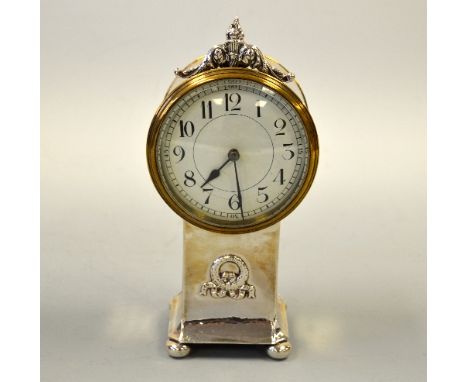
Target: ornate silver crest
(229, 275)
(235, 53)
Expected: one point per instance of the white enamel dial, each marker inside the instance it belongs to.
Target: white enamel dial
(232, 153)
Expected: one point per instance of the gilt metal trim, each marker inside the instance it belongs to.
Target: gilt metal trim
(235, 53)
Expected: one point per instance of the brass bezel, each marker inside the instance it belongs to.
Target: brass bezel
(243, 74)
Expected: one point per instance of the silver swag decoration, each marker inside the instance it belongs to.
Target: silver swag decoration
(235, 53)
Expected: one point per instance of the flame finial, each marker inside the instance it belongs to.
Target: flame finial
(235, 31)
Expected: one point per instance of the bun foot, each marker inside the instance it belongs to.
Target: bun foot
(280, 350)
(176, 349)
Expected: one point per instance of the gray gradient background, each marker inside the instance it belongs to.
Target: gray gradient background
(352, 261)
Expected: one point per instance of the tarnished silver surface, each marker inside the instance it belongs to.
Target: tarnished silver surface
(259, 252)
(252, 260)
(227, 330)
(235, 52)
(229, 275)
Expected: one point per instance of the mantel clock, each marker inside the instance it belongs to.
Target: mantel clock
(233, 150)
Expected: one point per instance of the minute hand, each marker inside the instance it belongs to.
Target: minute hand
(239, 195)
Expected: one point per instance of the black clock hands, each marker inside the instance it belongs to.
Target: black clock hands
(233, 155)
(239, 195)
(215, 173)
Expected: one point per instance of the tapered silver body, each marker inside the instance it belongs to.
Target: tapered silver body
(229, 291)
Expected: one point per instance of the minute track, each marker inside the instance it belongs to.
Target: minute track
(260, 208)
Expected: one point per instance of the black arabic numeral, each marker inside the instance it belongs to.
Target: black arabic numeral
(280, 124)
(189, 180)
(186, 129)
(210, 191)
(233, 202)
(233, 98)
(207, 109)
(280, 177)
(262, 196)
(288, 153)
(179, 152)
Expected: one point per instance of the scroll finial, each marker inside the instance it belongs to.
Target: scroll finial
(235, 53)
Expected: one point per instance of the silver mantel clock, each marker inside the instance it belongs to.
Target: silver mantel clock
(233, 150)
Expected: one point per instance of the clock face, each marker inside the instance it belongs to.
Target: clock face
(232, 154)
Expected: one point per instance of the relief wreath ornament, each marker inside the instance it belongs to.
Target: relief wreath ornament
(230, 283)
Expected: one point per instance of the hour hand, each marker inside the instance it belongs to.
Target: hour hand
(215, 173)
(233, 155)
